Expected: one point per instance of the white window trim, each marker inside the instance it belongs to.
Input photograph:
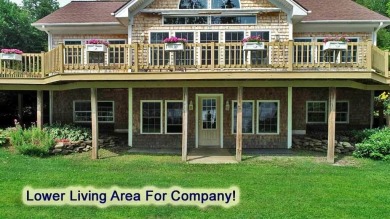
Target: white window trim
(72, 40)
(253, 116)
(257, 120)
(100, 101)
(161, 117)
(341, 122)
(166, 116)
(307, 111)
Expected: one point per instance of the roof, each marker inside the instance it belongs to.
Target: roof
(84, 12)
(328, 10)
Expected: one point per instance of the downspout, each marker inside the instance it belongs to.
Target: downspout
(49, 39)
(375, 33)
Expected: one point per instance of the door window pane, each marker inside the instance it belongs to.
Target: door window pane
(209, 113)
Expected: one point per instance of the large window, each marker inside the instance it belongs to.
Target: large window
(186, 57)
(342, 112)
(185, 20)
(117, 54)
(151, 117)
(73, 52)
(233, 54)
(260, 57)
(157, 54)
(268, 117)
(223, 4)
(247, 116)
(173, 116)
(350, 55)
(208, 37)
(316, 111)
(193, 4)
(233, 19)
(82, 111)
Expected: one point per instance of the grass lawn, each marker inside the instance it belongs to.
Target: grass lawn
(302, 186)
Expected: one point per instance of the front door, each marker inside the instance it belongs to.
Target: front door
(209, 129)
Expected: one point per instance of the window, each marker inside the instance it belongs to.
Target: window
(157, 54)
(116, 53)
(209, 113)
(151, 117)
(233, 19)
(208, 37)
(73, 52)
(82, 111)
(223, 4)
(233, 54)
(185, 20)
(304, 52)
(268, 117)
(193, 4)
(316, 111)
(342, 112)
(186, 57)
(247, 116)
(260, 57)
(349, 55)
(173, 116)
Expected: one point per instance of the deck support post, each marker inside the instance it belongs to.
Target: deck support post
(39, 108)
(130, 114)
(94, 121)
(185, 125)
(289, 117)
(239, 124)
(331, 124)
(51, 98)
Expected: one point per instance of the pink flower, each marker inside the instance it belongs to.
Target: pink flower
(253, 39)
(12, 51)
(96, 41)
(336, 38)
(174, 40)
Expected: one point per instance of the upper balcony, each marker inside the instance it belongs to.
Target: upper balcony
(278, 60)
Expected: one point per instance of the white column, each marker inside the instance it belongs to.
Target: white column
(39, 108)
(289, 118)
(94, 121)
(185, 125)
(239, 124)
(51, 93)
(130, 114)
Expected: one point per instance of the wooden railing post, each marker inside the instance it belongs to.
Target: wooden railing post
(290, 55)
(386, 64)
(61, 57)
(43, 64)
(136, 57)
(369, 55)
(212, 55)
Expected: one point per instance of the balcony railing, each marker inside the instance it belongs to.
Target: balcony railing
(128, 58)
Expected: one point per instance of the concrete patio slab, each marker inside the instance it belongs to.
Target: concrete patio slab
(210, 156)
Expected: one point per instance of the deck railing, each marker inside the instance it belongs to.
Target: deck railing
(126, 58)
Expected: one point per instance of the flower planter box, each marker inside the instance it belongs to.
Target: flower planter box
(10, 56)
(336, 45)
(174, 46)
(248, 46)
(96, 47)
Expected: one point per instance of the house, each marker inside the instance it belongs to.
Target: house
(213, 93)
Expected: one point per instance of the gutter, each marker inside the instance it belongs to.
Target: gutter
(77, 24)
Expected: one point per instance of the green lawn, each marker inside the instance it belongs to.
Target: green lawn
(273, 187)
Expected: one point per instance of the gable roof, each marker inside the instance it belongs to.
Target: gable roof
(83, 12)
(338, 10)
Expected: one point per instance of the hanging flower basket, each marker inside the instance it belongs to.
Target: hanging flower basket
(95, 45)
(335, 43)
(11, 54)
(253, 43)
(174, 44)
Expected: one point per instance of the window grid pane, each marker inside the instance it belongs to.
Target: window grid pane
(342, 111)
(247, 116)
(151, 117)
(209, 113)
(316, 112)
(82, 111)
(187, 56)
(174, 117)
(157, 55)
(268, 117)
(260, 57)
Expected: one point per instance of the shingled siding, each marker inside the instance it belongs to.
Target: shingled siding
(63, 106)
(359, 107)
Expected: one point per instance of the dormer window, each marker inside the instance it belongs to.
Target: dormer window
(204, 4)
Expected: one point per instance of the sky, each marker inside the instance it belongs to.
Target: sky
(62, 2)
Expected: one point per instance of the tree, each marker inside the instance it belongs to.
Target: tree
(40, 8)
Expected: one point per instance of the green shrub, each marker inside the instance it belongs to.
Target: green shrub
(31, 141)
(361, 135)
(3, 137)
(376, 146)
(70, 132)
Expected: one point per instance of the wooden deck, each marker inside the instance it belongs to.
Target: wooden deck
(278, 58)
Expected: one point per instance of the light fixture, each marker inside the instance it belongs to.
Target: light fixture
(191, 106)
(277, 37)
(227, 106)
